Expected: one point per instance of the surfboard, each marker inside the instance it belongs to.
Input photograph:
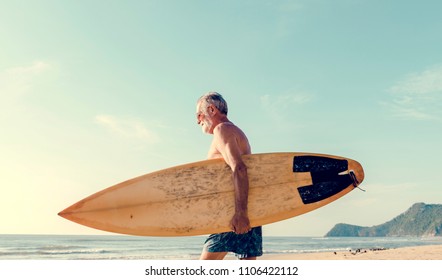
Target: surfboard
(198, 198)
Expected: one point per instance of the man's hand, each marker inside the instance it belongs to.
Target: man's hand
(240, 223)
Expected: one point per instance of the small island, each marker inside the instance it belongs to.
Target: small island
(420, 220)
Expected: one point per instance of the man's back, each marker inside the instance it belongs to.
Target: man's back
(227, 132)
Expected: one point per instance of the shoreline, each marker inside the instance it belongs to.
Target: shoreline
(424, 252)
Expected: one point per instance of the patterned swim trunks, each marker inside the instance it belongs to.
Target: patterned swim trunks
(243, 245)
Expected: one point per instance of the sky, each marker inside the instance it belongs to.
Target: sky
(93, 93)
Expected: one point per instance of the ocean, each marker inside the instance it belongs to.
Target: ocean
(121, 247)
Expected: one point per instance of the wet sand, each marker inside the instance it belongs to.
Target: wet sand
(428, 252)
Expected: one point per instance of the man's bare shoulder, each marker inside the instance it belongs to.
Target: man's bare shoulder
(229, 133)
(226, 128)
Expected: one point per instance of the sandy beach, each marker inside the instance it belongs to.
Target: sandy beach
(430, 252)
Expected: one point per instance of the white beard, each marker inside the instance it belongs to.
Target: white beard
(206, 125)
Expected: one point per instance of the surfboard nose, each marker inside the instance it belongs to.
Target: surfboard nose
(71, 214)
(66, 213)
(63, 214)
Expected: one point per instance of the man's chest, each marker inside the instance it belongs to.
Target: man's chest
(213, 151)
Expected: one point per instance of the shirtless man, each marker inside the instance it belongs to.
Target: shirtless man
(230, 143)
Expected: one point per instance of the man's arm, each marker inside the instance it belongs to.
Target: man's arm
(227, 145)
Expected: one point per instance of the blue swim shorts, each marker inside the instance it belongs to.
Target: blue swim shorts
(243, 245)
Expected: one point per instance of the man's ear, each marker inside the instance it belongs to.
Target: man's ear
(211, 110)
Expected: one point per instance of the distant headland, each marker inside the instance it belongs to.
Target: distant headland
(420, 220)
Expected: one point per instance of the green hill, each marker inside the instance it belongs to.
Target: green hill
(419, 220)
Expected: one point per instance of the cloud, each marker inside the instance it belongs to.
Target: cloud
(426, 83)
(280, 108)
(418, 96)
(286, 23)
(275, 105)
(128, 128)
(36, 68)
(290, 6)
(16, 81)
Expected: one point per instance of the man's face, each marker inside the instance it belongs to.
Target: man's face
(203, 118)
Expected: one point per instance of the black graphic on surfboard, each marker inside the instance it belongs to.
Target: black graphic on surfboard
(326, 177)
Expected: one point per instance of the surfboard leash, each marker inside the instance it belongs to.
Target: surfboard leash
(355, 180)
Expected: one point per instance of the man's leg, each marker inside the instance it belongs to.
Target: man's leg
(212, 255)
(249, 259)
